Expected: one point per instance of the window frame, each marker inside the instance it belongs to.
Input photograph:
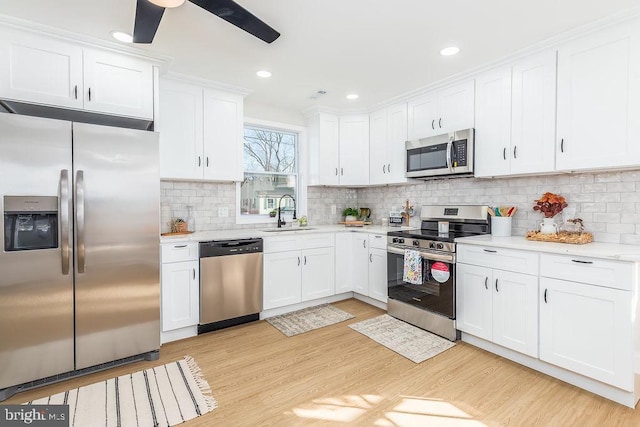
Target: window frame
(301, 189)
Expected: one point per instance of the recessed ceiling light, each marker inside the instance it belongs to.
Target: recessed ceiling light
(448, 51)
(122, 37)
(263, 73)
(167, 3)
(352, 96)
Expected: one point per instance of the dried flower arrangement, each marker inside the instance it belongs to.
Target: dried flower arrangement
(550, 204)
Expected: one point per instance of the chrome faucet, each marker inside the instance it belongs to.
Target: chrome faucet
(281, 221)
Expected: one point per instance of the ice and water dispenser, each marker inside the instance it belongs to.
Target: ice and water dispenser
(30, 222)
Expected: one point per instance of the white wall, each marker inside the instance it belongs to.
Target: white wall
(273, 114)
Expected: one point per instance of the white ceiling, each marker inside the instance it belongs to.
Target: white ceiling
(378, 49)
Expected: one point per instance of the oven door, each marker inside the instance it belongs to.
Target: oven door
(436, 293)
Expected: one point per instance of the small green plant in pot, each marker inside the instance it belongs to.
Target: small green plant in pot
(350, 214)
(273, 213)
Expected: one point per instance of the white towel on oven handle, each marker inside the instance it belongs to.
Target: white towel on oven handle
(412, 271)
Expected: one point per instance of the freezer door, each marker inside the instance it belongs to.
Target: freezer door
(36, 285)
(117, 198)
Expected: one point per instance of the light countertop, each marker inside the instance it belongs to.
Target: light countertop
(204, 236)
(613, 251)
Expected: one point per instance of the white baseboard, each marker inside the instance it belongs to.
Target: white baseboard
(293, 307)
(179, 334)
(370, 301)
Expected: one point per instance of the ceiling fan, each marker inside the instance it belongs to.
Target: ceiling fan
(149, 13)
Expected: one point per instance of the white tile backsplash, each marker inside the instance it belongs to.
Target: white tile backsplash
(608, 202)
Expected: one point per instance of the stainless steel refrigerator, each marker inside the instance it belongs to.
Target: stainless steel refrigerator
(79, 269)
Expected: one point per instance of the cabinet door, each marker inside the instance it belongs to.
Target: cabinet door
(354, 150)
(587, 329)
(378, 147)
(361, 264)
(40, 70)
(318, 273)
(493, 123)
(474, 300)
(329, 149)
(422, 116)
(223, 136)
(455, 108)
(397, 136)
(378, 282)
(180, 128)
(533, 114)
(117, 84)
(180, 295)
(598, 99)
(281, 283)
(344, 262)
(515, 311)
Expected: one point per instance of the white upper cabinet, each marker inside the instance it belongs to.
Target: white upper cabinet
(117, 84)
(200, 132)
(446, 110)
(324, 155)
(515, 117)
(354, 149)
(388, 134)
(493, 123)
(39, 69)
(599, 99)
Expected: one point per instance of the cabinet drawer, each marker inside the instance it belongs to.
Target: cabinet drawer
(610, 274)
(177, 252)
(498, 258)
(319, 240)
(288, 242)
(378, 241)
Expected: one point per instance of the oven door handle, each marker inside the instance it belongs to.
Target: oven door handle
(425, 255)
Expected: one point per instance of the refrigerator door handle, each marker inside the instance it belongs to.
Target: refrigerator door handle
(64, 220)
(80, 219)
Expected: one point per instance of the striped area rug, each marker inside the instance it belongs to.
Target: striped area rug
(162, 396)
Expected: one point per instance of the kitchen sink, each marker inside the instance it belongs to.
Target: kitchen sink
(281, 230)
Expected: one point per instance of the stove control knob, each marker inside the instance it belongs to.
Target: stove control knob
(416, 243)
(432, 245)
(400, 240)
(439, 246)
(395, 240)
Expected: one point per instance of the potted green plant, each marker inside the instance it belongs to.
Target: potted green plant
(273, 213)
(350, 214)
(178, 225)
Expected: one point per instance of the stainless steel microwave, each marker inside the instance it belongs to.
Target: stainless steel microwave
(443, 155)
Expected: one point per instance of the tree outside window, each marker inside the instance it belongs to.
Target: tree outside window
(270, 165)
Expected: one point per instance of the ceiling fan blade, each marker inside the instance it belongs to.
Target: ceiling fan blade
(148, 17)
(237, 15)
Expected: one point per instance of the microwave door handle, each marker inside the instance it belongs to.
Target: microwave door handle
(449, 147)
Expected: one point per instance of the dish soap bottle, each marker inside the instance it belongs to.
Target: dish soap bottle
(191, 220)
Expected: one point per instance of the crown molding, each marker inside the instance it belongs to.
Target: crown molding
(210, 84)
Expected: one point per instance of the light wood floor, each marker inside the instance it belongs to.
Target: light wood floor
(336, 376)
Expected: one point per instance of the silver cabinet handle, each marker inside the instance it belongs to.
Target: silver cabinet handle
(370, 257)
(64, 220)
(80, 220)
(486, 280)
(305, 260)
(504, 153)
(545, 296)
(377, 236)
(75, 92)
(207, 161)
(342, 171)
(497, 286)
(383, 168)
(515, 147)
(581, 262)
(194, 274)
(389, 168)
(199, 161)
(491, 251)
(89, 94)
(298, 261)
(364, 243)
(440, 122)
(336, 171)
(180, 246)
(433, 124)
(562, 145)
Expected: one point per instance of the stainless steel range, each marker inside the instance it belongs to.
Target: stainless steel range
(429, 302)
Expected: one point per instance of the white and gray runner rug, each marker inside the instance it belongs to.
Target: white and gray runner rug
(162, 396)
(409, 341)
(308, 319)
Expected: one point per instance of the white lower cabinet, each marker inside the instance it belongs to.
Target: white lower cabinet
(361, 264)
(370, 265)
(378, 274)
(294, 271)
(344, 262)
(499, 306)
(180, 287)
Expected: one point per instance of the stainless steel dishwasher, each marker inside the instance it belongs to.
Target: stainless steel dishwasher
(230, 283)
